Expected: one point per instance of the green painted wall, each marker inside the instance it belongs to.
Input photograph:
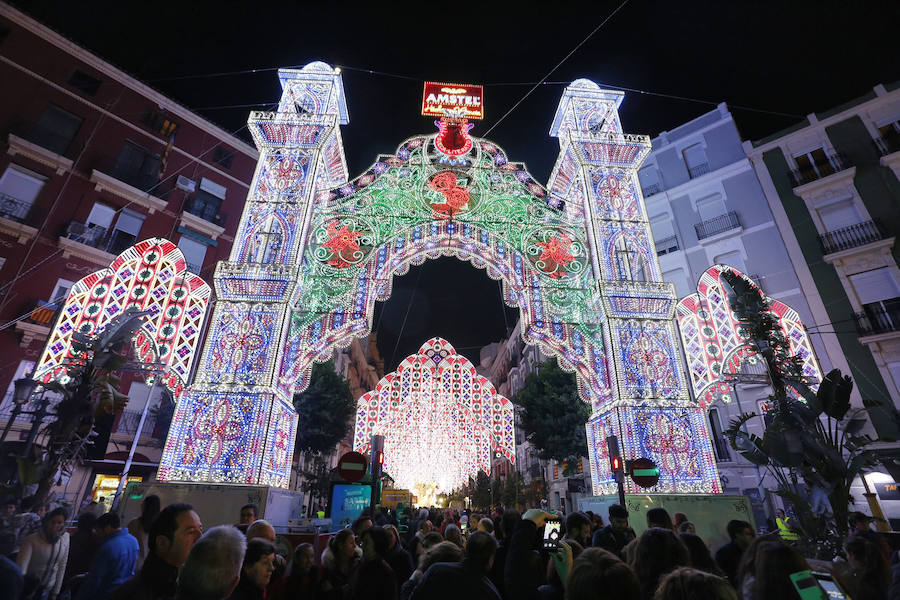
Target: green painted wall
(840, 312)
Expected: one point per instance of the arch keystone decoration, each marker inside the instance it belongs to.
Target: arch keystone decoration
(315, 251)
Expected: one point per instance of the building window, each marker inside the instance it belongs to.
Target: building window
(19, 188)
(814, 161)
(839, 215)
(160, 124)
(207, 202)
(60, 291)
(715, 430)
(101, 216)
(194, 253)
(663, 234)
(137, 167)
(55, 129)
(126, 231)
(879, 295)
(711, 207)
(222, 157)
(695, 160)
(84, 82)
(650, 183)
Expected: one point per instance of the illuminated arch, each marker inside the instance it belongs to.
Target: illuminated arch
(151, 275)
(442, 422)
(716, 349)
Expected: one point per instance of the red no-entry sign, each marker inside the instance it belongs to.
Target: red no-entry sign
(352, 466)
(644, 472)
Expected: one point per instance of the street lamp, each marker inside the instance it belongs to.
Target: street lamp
(23, 389)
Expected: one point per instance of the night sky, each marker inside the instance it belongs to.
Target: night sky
(791, 58)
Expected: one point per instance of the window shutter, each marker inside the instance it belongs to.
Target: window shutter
(101, 216)
(875, 285)
(130, 222)
(20, 185)
(839, 215)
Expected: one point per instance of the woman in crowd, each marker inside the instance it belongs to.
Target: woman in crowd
(259, 564)
(397, 558)
(700, 556)
(340, 561)
(657, 553)
(775, 563)
(600, 575)
(869, 574)
(440, 552)
(305, 578)
(140, 527)
(374, 579)
(686, 583)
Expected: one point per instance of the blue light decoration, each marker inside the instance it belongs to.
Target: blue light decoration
(315, 251)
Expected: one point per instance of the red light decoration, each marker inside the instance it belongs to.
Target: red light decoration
(453, 139)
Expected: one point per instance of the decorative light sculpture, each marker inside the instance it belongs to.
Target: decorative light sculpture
(314, 252)
(442, 422)
(717, 348)
(151, 275)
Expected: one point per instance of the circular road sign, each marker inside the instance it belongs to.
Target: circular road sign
(352, 466)
(644, 472)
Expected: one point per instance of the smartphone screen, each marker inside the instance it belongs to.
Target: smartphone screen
(806, 585)
(832, 590)
(551, 535)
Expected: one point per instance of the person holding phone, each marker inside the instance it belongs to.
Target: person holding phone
(524, 569)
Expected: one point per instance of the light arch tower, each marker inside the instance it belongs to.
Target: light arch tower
(315, 251)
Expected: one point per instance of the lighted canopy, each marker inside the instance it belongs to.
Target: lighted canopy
(442, 422)
(715, 346)
(151, 275)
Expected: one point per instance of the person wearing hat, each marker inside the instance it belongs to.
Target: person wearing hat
(859, 523)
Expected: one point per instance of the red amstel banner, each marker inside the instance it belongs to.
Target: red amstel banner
(438, 99)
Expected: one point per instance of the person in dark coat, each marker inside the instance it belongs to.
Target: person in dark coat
(397, 558)
(617, 534)
(305, 579)
(728, 557)
(259, 564)
(171, 537)
(374, 579)
(468, 579)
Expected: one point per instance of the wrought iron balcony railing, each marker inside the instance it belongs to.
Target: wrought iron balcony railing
(851, 237)
(835, 163)
(716, 225)
(666, 245)
(698, 170)
(879, 317)
(205, 210)
(144, 179)
(88, 234)
(13, 208)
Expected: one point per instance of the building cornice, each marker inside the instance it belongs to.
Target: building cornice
(102, 181)
(31, 332)
(94, 61)
(37, 153)
(808, 191)
(878, 246)
(201, 225)
(20, 231)
(88, 253)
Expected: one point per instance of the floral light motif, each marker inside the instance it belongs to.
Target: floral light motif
(456, 197)
(236, 347)
(218, 429)
(670, 444)
(555, 256)
(342, 243)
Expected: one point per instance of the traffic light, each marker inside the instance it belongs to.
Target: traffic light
(616, 466)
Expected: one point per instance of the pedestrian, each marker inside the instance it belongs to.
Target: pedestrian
(775, 563)
(28, 521)
(507, 525)
(261, 529)
(8, 522)
(693, 584)
(746, 573)
(397, 558)
(659, 517)
(248, 514)
(686, 527)
(598, 574)
(171, 537)
(213, 566)
(554, 589)
(485, 524)
(700, 557)
(441, 552)
(305, 578)
(859, 523)
(374, 579)
(678, 519)
(728, 557)
(114, 561)
(452, 534)
(658, 553)
(43, 556)
(339, 560)
(467, 579)
(524, 569)
(11, 578)
(785, 526)
(617, 534)
(868, 574)
(578, 528)
(256, 572)
(139, 527)
(83, 545)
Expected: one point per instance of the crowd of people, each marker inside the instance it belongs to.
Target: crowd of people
(428, 554)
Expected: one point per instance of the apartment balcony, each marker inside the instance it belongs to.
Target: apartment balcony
(143, 189)
(887, 145)
(87, 241)
(203, 217)
(879, 318)
(651, 190)
(853, 236)
(14, 214)
(835, 164)
(698, 170)
(667, 245)
(42, 145)
(153, 428)
(717, 225)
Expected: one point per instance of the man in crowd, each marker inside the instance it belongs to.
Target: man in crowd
(249, 513)
(29, 520)
(43, 555)
(728, 557)
(659, 517)
(213, 567)
(615, 536)
(114, 561)
(859, 523)
(578, 528)
(467, 579)
(261, 529)
(171, 537)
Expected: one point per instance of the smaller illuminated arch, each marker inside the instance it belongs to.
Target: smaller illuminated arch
(716, 349)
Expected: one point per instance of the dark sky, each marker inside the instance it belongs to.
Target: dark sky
(788, 56)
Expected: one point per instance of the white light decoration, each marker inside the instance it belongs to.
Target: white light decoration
(442, 422)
